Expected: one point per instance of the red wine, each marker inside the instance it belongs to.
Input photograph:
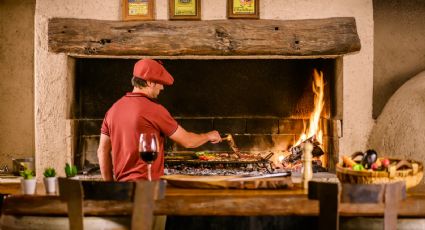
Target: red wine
(149, 156)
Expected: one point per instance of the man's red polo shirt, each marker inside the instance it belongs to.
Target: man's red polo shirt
(130, 116)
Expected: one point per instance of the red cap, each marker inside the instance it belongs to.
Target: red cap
(150, 70)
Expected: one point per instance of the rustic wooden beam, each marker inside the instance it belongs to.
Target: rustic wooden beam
(310, 37)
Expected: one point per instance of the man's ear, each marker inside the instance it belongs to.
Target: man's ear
(149, 83)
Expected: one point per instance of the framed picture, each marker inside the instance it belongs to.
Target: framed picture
(184, 9)
(243, 9)
(138, 10)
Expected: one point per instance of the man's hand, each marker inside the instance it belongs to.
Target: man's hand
(214, 137)
(193, 140)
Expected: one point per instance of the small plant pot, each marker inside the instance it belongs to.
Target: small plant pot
(50, 184)
(28, 186)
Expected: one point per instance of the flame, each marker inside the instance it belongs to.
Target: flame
(280, 158)
(318, 87)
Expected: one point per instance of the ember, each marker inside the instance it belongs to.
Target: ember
(249, 164)
(246, 171)
(215, 168)
(293, 161)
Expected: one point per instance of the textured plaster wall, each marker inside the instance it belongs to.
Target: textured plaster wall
(53, 75)
(52, 70)
(16, 84)
(399, 46)
(399, 131)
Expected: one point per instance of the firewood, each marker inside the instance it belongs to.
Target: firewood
(297, 151)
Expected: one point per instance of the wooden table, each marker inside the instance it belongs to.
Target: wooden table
(207, 202)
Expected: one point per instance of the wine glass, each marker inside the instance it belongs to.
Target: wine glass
(148, 150)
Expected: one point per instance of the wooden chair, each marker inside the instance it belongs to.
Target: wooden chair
(330, 197)
(143, 194)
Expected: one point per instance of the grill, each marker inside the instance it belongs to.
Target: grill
(187, 163)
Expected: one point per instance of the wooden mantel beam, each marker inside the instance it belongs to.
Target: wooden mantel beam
(310, 37)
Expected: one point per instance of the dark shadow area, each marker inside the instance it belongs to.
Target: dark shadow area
(205, 88)
(240, 222)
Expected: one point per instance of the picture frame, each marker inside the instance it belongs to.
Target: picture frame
(243, 9)
(138, 10)
(184, 9)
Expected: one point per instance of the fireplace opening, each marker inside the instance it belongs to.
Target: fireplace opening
(264, 103)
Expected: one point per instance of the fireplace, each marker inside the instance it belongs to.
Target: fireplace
(265, 104)
(57, 121)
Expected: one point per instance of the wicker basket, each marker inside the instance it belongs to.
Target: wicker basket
(411, 176)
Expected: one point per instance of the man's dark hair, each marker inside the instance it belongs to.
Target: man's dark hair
(138, 82)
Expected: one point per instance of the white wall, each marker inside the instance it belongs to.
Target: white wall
(52, 75)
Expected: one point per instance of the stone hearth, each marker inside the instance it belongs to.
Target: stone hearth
(54, 73)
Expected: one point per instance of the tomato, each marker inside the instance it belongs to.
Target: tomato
(385, 162)
(203, 158)
(375, 166)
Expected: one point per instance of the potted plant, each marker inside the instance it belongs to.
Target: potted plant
(70, 170)
(28, 182)
(50, 180)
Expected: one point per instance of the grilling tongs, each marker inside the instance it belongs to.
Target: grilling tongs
(232, 144)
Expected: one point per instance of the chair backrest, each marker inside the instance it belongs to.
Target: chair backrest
(388, 194)
(330, 195)
(143, 194)
(71, 191)
(144, 203)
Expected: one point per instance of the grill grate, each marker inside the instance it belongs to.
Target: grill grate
(222, 167)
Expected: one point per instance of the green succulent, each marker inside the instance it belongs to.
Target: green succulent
(70, 170)
(49, 172)
(27, 174)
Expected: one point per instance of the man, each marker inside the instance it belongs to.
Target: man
(137, 113)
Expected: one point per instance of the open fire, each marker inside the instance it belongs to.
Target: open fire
(237, 163)
(291, 159)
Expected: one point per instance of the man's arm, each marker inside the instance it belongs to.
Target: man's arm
(193, 140)
(105, 158)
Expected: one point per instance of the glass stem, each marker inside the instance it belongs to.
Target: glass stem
(149, 172)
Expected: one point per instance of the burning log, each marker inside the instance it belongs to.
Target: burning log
(296, 152)
(293, 161)
(298, 165)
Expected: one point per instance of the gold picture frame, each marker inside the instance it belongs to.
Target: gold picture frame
(247, 9)
(184, 9)
(138, 10)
